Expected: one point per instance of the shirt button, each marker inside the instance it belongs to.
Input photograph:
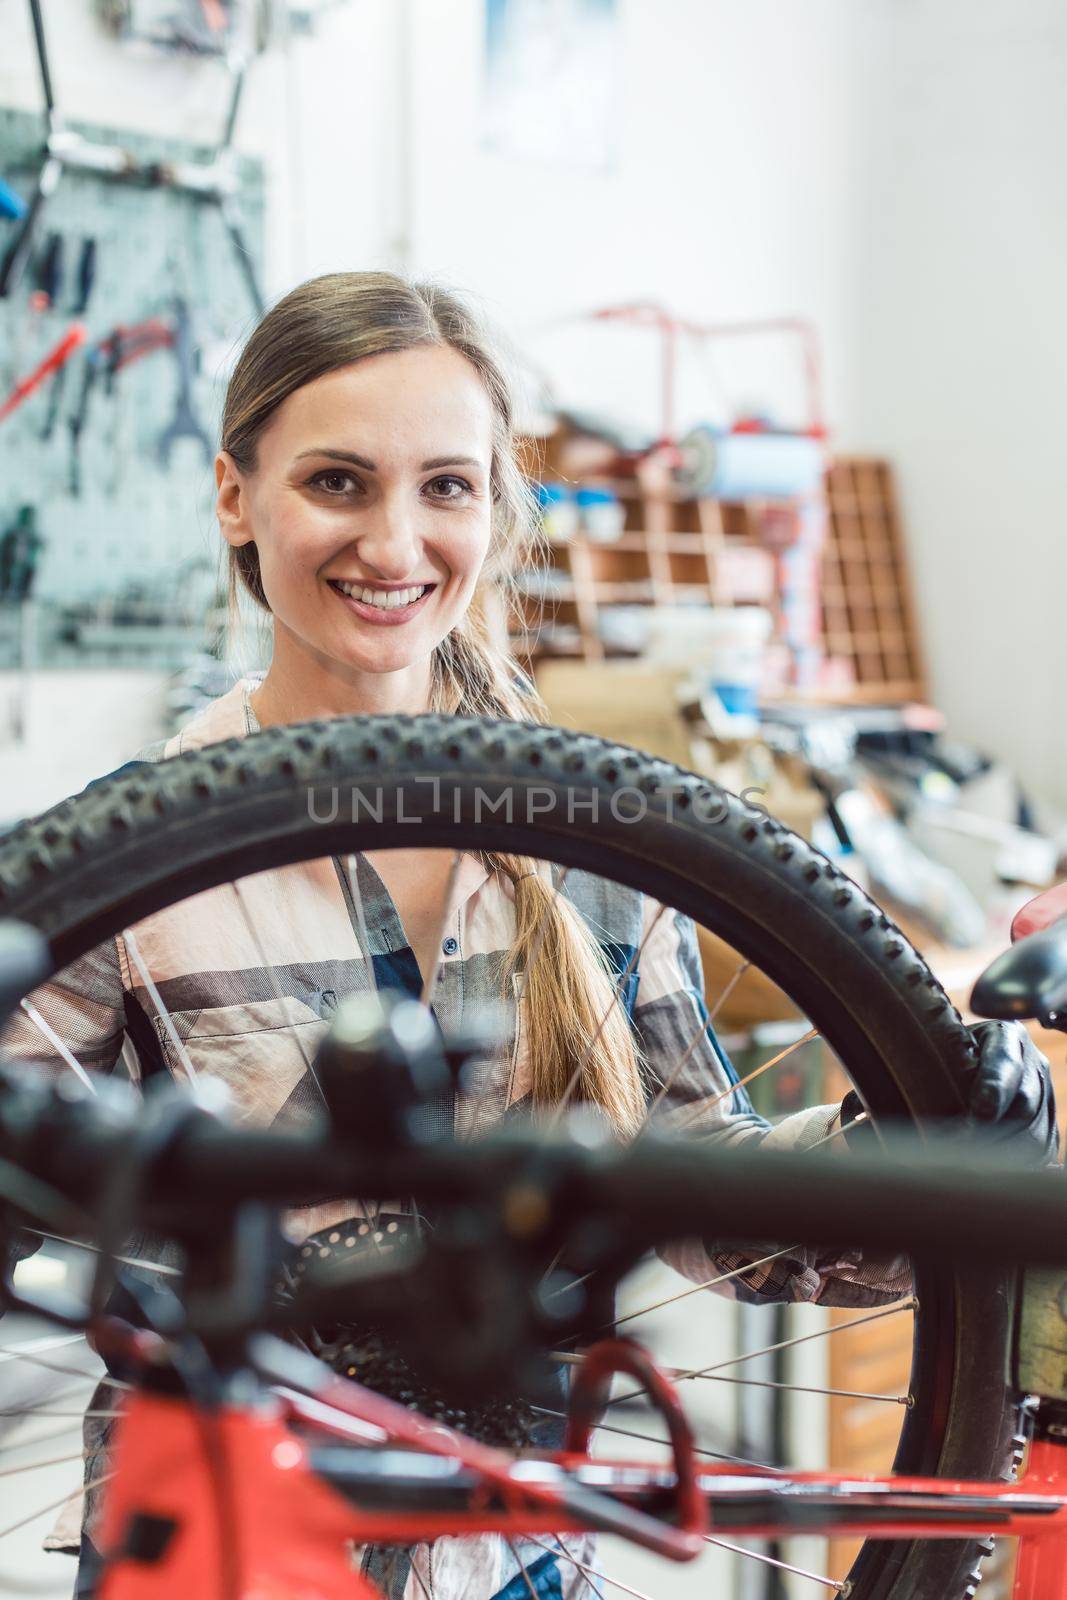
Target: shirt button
(450, 946)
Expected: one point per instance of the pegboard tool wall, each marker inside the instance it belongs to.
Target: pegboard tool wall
(135, 521)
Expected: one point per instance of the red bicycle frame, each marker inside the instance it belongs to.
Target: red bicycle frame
(230, 1500)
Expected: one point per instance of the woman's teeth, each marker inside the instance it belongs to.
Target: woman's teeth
(385, 599)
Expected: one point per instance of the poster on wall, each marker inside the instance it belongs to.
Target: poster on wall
(551, 81)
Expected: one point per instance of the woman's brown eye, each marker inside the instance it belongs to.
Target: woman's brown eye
(450, 488)
(333, 482)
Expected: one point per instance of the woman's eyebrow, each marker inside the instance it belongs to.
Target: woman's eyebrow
(369, 466)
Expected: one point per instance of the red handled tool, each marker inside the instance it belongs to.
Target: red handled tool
(72, 340)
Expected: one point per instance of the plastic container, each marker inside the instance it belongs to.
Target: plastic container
(603, 514)
(725, 646)
(559, 511)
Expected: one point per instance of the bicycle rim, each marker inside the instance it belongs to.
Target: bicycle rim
(137, 842)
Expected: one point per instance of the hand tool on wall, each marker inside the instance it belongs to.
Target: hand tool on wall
(86, 276)
(21, 248)
(184, 424)
(60, 353)
(20, 546)
(49, 275)
(11, 202)
(124, 345)
(216, 181)
(55, 397)
(130, 341)
(134, 343)
(47, 279)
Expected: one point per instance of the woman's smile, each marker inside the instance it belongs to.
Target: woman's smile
(382, 605)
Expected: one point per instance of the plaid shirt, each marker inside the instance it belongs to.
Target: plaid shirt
(250, 979)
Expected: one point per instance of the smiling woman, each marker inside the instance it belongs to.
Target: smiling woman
(370, 491)
(385, 529)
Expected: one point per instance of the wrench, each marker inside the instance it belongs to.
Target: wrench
(184, 424)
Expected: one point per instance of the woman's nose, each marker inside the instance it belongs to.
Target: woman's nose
(388, 544)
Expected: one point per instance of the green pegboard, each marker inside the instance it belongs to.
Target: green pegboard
(135, 521)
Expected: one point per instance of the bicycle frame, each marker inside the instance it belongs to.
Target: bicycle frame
(250, 1499)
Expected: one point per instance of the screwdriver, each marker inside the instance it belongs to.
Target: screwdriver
(86, 276)
(49, 275)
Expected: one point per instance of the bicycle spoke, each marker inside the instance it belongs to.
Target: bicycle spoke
(675, 1374)
(268, 967)
(157, 1000)
(352, 868)
(695, 1288)
(787, 1344)
(72, 1372)
(55, 1461)
(837, 1132)
(650, 1438)
(54, 1505)
(540, 933)
(588, 1571)
(417, 1575)
(731, 985)
(57, 1044)
(794, 1388)
(757, 1072)
(126, 1261)
(11, 1352)
(772, 1561)
(39, 1439)
(576, 1075)
(430, 981)
(572, 1283)
(769, 1349)
(668, 1084)
(372, 1208)
(40, 1411)
(70, 1393)
(522, 1567)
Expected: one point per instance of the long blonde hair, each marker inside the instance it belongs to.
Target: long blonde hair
(329, 322)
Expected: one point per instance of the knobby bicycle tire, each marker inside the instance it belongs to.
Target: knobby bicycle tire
(151, 834)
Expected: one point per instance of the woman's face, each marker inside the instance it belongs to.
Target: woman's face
(370, 506)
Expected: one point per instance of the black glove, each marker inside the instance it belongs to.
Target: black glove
(1012, 1090)
(1011, 1095)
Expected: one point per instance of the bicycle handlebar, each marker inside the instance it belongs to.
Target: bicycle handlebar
(923, 1201)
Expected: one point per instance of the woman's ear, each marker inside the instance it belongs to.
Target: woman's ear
(231, 502)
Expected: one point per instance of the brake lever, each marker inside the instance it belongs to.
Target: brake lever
(590, 1389)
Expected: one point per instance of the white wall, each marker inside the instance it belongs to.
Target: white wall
(962, 351)
(890, 169)
(729, 197)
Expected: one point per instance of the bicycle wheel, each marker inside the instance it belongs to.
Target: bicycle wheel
(153, 835)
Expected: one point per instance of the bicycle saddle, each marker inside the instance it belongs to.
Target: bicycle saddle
(1030, 979)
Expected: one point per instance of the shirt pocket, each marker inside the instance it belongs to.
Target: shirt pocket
(260, 1050)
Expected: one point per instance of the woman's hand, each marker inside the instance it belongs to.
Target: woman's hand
(1012, 1092)
(1011, 1095)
